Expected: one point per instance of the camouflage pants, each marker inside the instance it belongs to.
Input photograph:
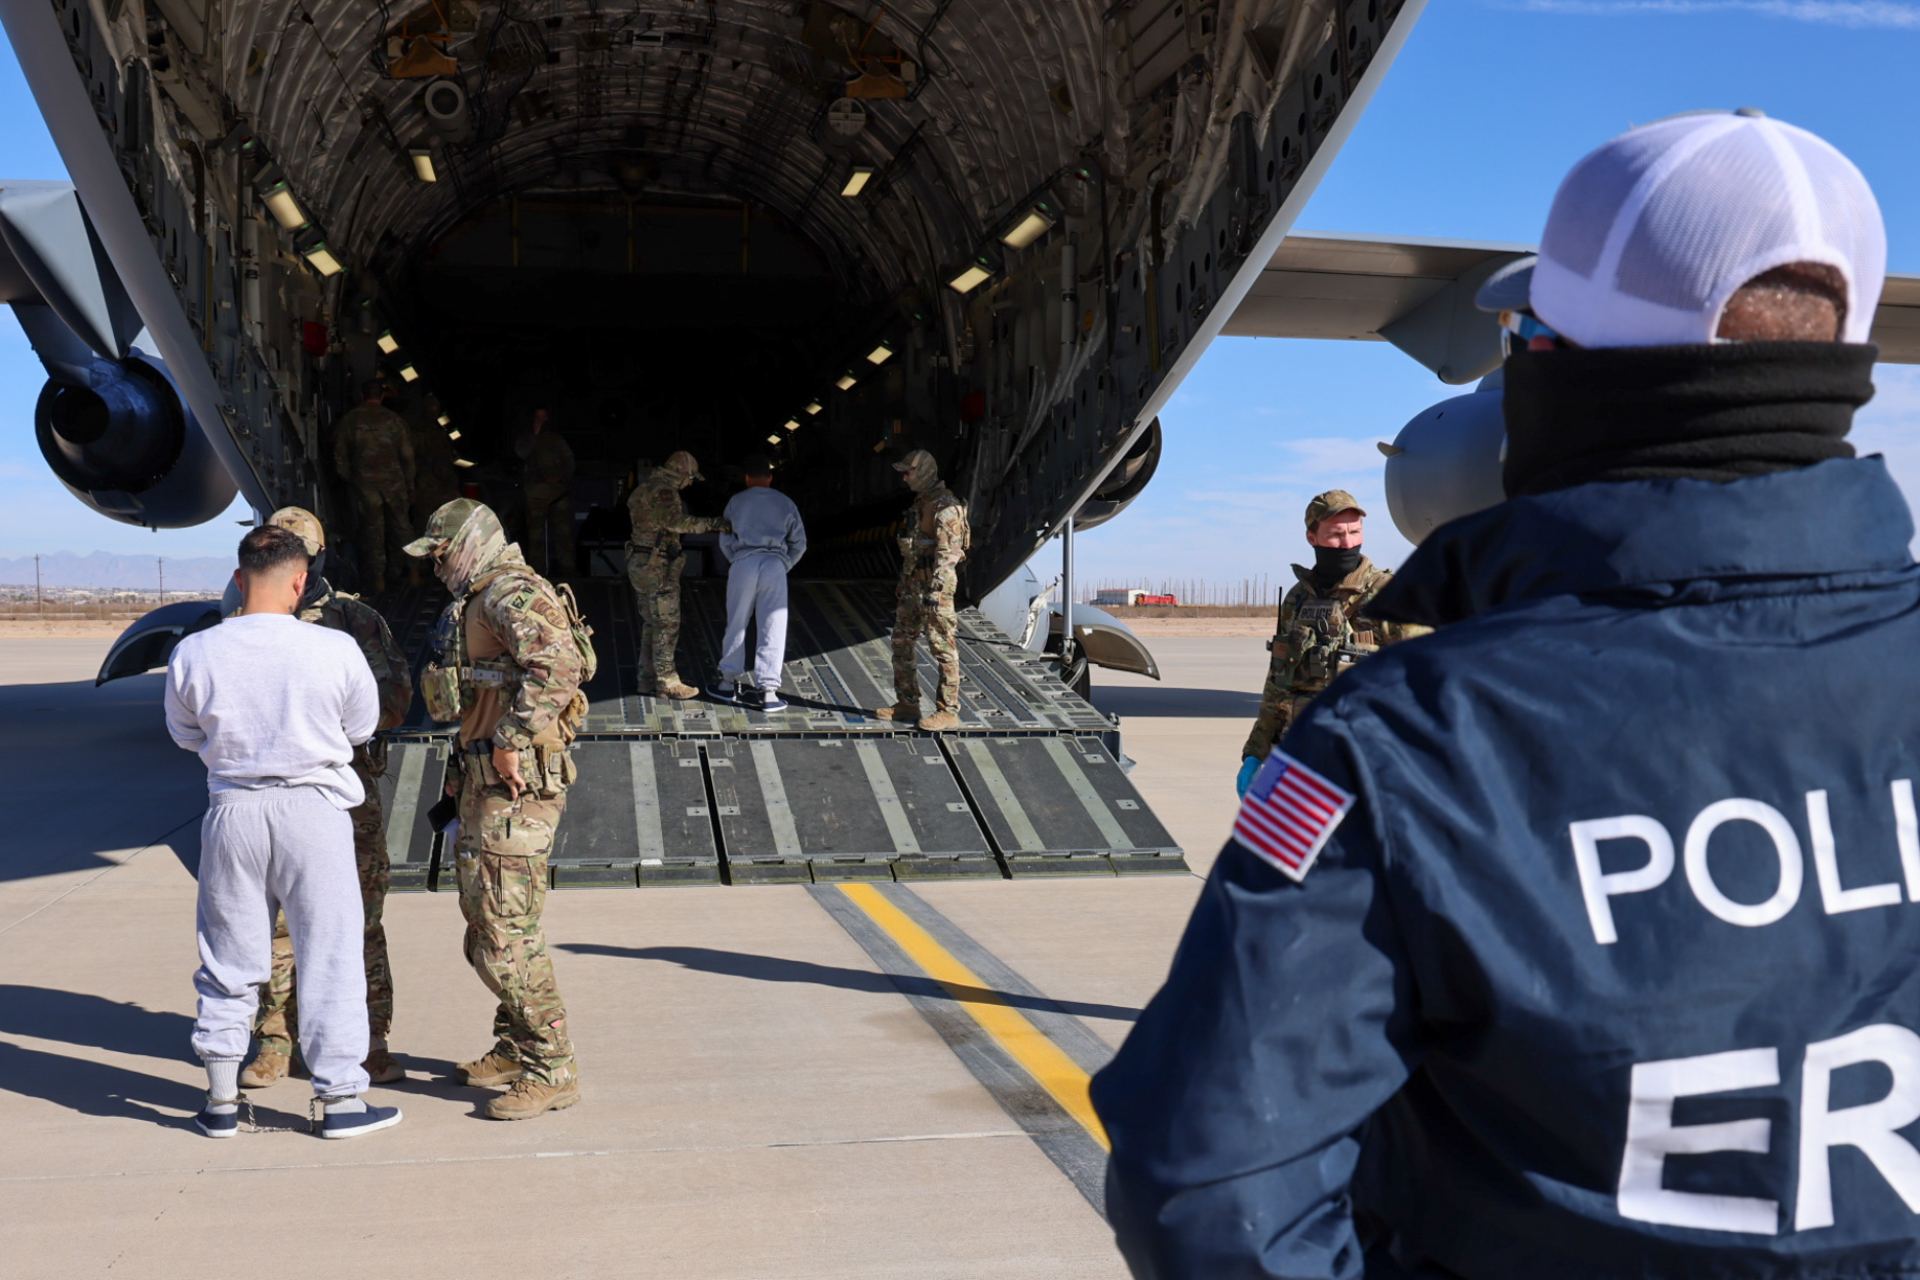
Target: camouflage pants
(503, 850)
(550, 509)
(1277, 714)
(385, 526)
(656, 591)
(926, 607)
(278, 1023)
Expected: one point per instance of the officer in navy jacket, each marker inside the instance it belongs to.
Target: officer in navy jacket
(1582, 937)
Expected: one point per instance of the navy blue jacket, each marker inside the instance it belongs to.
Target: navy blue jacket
(1613, 967)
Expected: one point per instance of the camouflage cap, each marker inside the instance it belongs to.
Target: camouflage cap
(1331, 503)
(302, 524)
(442, 525)
(680, 463)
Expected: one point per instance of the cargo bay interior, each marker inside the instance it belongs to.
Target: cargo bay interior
(830, 232)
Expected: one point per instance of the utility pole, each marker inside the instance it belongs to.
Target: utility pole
(39, 599)
(160, 563)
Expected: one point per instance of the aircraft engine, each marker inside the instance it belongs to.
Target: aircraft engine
(1127, 481)
(123, 443)
(1446, 462)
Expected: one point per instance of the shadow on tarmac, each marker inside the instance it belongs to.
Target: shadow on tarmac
(99, 1088)
(736, 964)
(1196, 703)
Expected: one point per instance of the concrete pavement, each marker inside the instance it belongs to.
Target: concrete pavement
(760, 1098)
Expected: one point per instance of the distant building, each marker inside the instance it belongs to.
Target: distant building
(1109, 596)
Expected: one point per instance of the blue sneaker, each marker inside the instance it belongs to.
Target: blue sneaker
(770, 700)
(224, 1124)
(355, 1124)
(726, 690)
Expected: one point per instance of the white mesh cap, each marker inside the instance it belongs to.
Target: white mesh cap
(1651, 234)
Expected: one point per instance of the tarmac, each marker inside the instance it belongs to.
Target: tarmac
(824, 1081)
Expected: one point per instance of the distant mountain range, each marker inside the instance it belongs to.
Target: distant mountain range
(99, 570)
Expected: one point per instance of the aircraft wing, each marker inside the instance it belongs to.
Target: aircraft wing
(1418, 295)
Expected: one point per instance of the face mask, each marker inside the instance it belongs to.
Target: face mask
(477, 545)
(316, 580)
(923, 477)
(1332, 564)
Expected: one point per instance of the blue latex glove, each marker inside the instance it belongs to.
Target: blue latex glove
(1248, 768)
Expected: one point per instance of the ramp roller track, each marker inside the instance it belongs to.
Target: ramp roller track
(1031, 783)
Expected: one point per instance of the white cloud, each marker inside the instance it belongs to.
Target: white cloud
(1335, 456)
(1879, 14)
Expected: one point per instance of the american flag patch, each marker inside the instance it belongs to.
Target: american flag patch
(1288, 814)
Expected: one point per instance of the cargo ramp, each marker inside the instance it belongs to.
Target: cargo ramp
(1031, 783)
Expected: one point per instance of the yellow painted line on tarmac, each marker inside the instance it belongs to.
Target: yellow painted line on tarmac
(1025, 1043)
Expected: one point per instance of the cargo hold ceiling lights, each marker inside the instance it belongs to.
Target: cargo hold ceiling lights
(773, 439)
(857, 180)
(971, 277)
(453, 435)
(846, 381)
(880, 354)
(791, 424)
(387, 343)
(461, 463)
(446, 419)
(321, 259)
(423, 165)
(813, 408)
(285, 209)
(408, 373)
(1039, 220)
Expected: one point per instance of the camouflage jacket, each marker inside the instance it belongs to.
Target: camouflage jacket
(660, 516)
(371, 447)
(515, 616)
(549, 461)
(1319, 634)
(369, 630)
(937, 536)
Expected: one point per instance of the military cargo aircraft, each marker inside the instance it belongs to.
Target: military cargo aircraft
(829, 230)
(999, 230)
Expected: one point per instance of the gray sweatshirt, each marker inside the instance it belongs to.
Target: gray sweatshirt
(764, 521)
(268, 700)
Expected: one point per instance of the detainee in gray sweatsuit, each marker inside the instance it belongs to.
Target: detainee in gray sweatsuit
(275, 707)
(768, 539)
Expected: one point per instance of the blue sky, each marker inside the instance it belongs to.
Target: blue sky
(1486, 108)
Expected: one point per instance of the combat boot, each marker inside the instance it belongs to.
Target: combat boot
(940, 722)
(269, 1066)
(380, 1066)
(529, 1098)
(676, 689)
(490, 1069)
(904, 712)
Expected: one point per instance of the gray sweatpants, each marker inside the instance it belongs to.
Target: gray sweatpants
(284, 848)
(757, 593)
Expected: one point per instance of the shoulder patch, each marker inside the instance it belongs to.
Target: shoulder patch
(1289, 814)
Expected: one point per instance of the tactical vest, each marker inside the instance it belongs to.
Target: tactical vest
(1325, 637)
(453, 681)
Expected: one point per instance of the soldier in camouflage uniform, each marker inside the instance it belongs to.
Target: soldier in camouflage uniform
(278, 1017)
(373, 452)
(934, 544)
(549, 497)
(1321, 629)
(511, 670)
(653, 566)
